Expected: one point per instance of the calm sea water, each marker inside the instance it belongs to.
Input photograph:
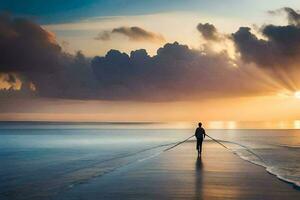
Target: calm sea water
(39, 161)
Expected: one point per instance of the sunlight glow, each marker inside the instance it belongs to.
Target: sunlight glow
(297, 124)
(297, 95)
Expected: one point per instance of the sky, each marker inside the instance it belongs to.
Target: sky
(156, 60)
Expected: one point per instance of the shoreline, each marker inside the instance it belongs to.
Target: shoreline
(268, 169)
(178, 174)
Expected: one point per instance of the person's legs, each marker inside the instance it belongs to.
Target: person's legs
(200, 147)
(197, 146)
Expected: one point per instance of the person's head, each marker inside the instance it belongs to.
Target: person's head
(200, 124)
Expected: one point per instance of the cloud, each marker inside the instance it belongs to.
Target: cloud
(34, 55)
(277, 53)
(104, 36)
(208, 31)
(9, 81)
(176, 72)
(134, 33)
(281, 46)
(293, 16)
(25, 46)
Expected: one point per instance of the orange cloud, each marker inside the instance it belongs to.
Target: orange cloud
(134, 33)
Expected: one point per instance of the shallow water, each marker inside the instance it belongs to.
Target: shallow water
(40, 161)
(276, 150)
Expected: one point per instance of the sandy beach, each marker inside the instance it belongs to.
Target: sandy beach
(178, 174)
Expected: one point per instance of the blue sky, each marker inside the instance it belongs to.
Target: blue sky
(61, 11)
(56, 11)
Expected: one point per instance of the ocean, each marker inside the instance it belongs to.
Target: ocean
(43, 160)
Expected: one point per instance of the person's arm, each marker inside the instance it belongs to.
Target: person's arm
(204, 134)
(196, 132)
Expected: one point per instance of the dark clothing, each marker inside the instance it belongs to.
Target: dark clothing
(199, 146)
(200, 135)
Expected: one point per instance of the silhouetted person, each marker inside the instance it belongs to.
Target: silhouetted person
(200, 135)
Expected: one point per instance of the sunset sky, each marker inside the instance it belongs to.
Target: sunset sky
(156, 60)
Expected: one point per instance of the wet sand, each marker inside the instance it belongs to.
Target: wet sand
(178, 174)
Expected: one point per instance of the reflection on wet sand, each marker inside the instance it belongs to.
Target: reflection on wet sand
(199, 178)
(178, 174)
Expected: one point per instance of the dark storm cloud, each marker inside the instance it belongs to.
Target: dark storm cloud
(277, 53)
(32, 52)
(25, 46)
(208, 31)
(281, 46)
(133, 33)
(176, 72)
(253, 49)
